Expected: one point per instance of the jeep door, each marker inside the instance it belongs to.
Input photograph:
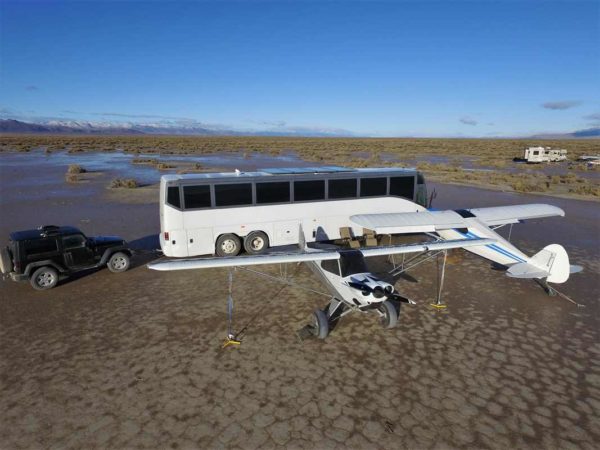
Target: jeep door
(76, 251)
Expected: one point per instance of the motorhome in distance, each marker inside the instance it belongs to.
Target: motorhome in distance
(223, 213)
(536, 155)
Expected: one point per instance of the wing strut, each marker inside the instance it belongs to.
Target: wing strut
(230, 340)
(440, 278)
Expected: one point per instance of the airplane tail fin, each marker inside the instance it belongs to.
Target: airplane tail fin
(552, 263)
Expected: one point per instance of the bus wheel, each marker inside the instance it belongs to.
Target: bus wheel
(256, 242)
(228, 245)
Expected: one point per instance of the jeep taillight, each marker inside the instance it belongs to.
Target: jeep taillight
(166, 233)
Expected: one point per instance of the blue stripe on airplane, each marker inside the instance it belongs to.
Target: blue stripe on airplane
(492, 246)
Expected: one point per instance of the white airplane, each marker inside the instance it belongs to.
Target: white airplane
(354, 288)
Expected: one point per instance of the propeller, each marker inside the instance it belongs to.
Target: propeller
(380, 292)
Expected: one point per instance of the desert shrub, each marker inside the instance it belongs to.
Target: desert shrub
(144, 161)
(71, 177)
(530, 186)
(586, 189)
(164, 166)
(75, 169)
(127, 183)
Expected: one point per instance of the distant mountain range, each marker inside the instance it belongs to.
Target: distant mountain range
(113, 128)
(82, 127)
(579, 134)
(13, 126)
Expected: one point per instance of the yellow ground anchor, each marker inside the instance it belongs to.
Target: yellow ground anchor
(230, 341)
(438, 306)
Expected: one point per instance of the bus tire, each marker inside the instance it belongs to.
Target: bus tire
(256, 243)
(228, 245)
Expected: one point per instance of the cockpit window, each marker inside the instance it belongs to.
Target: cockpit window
(352, 262)
(331, 266)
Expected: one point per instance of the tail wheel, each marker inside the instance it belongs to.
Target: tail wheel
(228, 245)
(256, 242)
(389, 315)
(320, 324)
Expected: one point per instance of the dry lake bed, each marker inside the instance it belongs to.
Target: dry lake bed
(135, 360)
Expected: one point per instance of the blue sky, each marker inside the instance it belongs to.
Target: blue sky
(488, 68)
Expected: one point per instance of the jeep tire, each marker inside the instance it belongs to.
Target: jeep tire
(44, 278)
(118, 262)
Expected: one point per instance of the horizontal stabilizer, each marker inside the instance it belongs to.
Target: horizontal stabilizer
(552, 263)
(526, 270)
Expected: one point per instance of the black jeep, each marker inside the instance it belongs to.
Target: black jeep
(49, 252)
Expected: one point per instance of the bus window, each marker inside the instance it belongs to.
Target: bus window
(309, 190)
(345, 188)
(173, 196)
(233, 194)
(277, 192)
(402, 187)
(372, 187)
(196, 197)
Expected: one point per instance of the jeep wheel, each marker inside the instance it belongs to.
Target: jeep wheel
(119, 262)
(44, 278)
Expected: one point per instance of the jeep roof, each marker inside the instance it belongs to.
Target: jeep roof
(42, 232)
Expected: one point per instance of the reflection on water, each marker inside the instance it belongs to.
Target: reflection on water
(119, 164)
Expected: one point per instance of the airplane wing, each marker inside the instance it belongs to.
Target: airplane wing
(432, 221)
(412, 222)
(292, 257)
(233, 261)
(503, 215)
(424, 247)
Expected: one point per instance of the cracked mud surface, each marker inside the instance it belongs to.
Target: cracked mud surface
(135, 359)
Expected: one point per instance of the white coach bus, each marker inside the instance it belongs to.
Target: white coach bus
(223, 213)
